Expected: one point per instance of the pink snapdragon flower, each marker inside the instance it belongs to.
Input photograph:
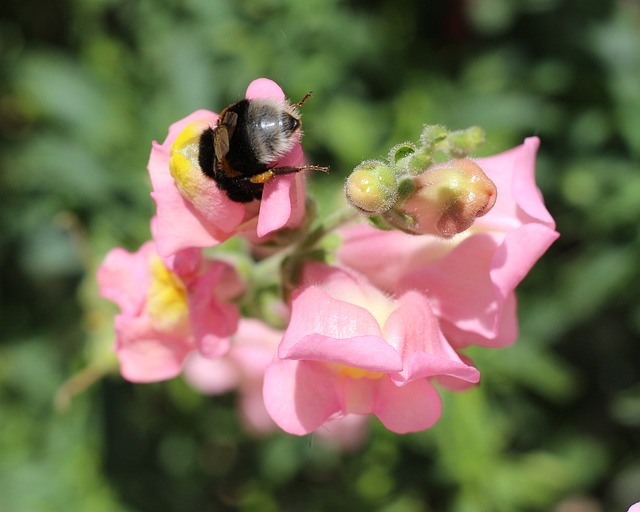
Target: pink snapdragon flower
(193, 212)
(470, 279)
(351, 349)
(243, 367)
(166, 314)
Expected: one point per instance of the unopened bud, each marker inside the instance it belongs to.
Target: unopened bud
(401, 151)
(464, 142)
(433, 134)
(372, 187)
(446, 200)
(408, 160)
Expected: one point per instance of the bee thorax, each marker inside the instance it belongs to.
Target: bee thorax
(273, 128)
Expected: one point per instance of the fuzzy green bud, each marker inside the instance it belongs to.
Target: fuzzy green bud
(409, 160)
(462, 143)
(419, 162)
(433, 134)
(401, 152)
(372, 187)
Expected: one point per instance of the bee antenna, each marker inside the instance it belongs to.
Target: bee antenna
(301, 102)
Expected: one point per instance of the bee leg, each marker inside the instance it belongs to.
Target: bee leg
(265, 176)
(290, 169)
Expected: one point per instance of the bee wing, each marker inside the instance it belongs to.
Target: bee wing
(223, 134)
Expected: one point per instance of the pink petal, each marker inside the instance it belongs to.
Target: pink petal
(300, 395)
(314, 311)
(369, 250)
(517, 254)
(146, 355)
(264, 88)
(347, 433)
(253, 348)
(506, 332)
(426, 352)
(212, 321)
(298, 197)
(366, 352)
(460, 287)
(358, 396)
(519, 200)
(123, 278)
(411, 408)
(422, 364)
(186, 263)
(210, 376)
(283, 197)
(276, 205)
(256, 334)
(453, 383)
(525, 190)
(472, 285)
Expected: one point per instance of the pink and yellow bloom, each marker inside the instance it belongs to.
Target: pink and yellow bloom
(470, 279)
(166, 312)
(351, 349)
(193, 212)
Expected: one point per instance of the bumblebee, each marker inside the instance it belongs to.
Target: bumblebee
(251, 134)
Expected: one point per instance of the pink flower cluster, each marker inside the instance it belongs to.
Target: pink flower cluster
(373, 333)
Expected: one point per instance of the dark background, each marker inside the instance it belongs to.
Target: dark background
(85, 86)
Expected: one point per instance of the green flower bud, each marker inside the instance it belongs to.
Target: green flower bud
(462, 143)
(401, 151)
(372, 187)
(419, 162)
(433, 134)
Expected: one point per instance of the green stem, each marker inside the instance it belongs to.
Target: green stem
(334, 221)
(269, 271)
(268, 267)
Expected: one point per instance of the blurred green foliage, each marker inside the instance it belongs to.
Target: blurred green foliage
(85, 85)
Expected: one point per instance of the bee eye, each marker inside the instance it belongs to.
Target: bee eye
(289, 123)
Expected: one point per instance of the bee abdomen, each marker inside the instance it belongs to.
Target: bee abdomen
(206, 155)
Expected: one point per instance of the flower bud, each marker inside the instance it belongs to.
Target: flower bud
(409, 160)
(433, 134)
(401, 151)
(446, 200)
(372, 187)
(463, 142)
